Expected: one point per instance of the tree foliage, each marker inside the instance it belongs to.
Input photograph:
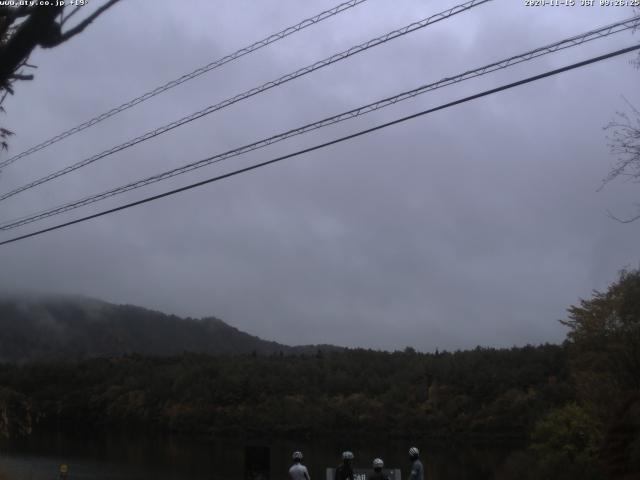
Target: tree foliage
(604, 359)
(568, 432)
(478, 393)
(604, 336)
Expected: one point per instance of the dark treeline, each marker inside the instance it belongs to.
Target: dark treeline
(479, 392)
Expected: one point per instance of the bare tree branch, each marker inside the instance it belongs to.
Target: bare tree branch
(85, 23)
(37, 27)
(4, 133)
(24, 28)
(71, 14)
(19, 76)
(621, 220)
(624, 142)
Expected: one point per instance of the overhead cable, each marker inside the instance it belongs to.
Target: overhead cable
(326, 144)
(356, 112)
(250, 93)
(185, 78)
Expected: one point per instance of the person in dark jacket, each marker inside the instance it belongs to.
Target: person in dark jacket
(417, 470)
(345, 469)
(378, 465)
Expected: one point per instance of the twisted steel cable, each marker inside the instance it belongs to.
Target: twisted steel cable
(484, 93)
(189, 76)
(576, 40)
(250, 93)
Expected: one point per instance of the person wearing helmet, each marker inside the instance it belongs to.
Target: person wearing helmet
(297, 470)
(378, 464)
(417, 470)
(345, 469)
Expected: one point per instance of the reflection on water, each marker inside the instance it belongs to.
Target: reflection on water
(148, 457)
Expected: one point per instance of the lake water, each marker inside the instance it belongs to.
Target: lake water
(148, 457)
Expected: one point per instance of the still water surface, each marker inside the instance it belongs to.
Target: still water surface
(138, 457)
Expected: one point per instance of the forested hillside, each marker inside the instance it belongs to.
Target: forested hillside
(65, 327)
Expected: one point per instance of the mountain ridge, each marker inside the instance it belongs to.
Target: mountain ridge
(54, 326)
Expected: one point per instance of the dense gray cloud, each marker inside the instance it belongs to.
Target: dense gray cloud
(479, 224)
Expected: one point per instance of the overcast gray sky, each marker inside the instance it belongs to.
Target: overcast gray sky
(477, 225)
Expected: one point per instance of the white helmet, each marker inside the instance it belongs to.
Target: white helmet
(414, 452)
(378, 463)
(297, 455)
(347, 455)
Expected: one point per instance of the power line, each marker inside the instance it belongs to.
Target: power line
(332, 142)
(189, 76)
(254, 91)
(510, 61)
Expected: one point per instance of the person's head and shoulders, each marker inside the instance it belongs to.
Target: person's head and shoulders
(417, 469)
(298, 471)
